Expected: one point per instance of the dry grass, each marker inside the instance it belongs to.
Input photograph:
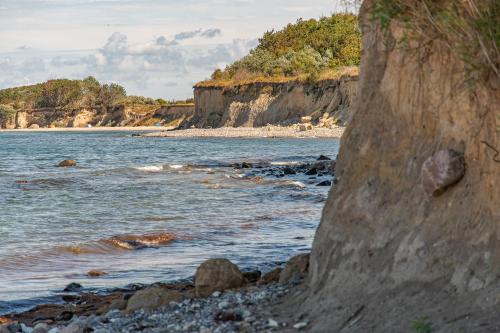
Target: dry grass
(253, 78)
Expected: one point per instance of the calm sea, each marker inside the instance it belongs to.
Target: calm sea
(145, 209)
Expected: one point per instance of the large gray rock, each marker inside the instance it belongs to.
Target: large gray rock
(41, 328)
(217, 275)
(295, 269)
(153, 298)
(443, 169)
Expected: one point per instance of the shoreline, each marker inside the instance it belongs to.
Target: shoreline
(222, 132)
(251, 132)
(85, 129)
(249, 306)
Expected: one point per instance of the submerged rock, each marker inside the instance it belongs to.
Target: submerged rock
(325, 183)
(442, 170)
(217, 275)
(67, 163)
(73, 286)
(295, 269)
(153, 298)
(323, 158)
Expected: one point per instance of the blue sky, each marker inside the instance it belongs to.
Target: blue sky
(156, 48)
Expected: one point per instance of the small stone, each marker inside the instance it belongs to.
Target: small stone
(300, 325)
(306, 119)
(272, 276)
(289, 171)
(14, 327)
(251, 277)
(323, 158)
(272, 323)
(223, 305)
(96, 273)
(153, 298)
(312, 171)
(295, 269)
(75, 327)
(325, 183)
(65, 316)
(246, 165)
(55, 330)
(41, 328)
(216, 294)
(73, 287)
(442, 170)
(67, 163)
(217, 274)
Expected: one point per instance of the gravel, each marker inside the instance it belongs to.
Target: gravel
(244, 310)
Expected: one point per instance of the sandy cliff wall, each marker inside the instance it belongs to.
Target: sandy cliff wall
(120, 116)
(259, 104)
(386, 252)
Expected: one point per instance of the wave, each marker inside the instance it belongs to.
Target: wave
(150, 168)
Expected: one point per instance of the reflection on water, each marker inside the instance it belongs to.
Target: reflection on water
(146, 210)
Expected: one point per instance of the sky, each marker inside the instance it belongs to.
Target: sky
(154, 48)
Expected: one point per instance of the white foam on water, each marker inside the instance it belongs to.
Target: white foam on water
(150, 168)
(278, 163)
(176, 166)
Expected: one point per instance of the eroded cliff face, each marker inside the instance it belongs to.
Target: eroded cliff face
(171, 116)
(259, 104)
(386, 251)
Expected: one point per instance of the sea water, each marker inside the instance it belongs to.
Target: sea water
(146, 209)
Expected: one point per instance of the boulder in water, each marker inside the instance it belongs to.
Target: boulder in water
(323, 158)
(73, 287)
(67, 163)
(217, 275)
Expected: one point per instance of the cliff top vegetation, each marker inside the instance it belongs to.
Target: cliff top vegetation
(306, 50)
(71, 94)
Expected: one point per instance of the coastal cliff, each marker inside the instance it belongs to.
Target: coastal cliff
(170, 116)
(261, 103)
(389, 256)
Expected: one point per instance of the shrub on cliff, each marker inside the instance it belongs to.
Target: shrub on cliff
(6, 112)
(307, 47)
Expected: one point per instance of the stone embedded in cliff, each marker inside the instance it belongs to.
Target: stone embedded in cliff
(296, 268)
(67, 163)
(217, 275)
(443, 169)
(153, 298)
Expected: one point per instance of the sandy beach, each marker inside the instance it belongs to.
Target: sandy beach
(252, 132)
(223, 132)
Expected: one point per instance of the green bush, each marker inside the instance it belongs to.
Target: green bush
(306, 47)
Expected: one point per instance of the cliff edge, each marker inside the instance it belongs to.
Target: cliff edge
(388, 256)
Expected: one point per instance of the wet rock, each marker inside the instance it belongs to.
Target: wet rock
(75, 327)
(118, 304)
(246, 165)
(70, 298)
(272, 276)
(217, 275)
(325, 183)
(327, 167)
(323, 158)
(96, 273)
(300, 325)
(13, 327)
(253, 276)
(289, 171)
(311, 172)
(67, 163)
(295, 269)
(65, 316)
(73, 287)
(41, 328)
(442, 170)
(229, 315)
(153, 298)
